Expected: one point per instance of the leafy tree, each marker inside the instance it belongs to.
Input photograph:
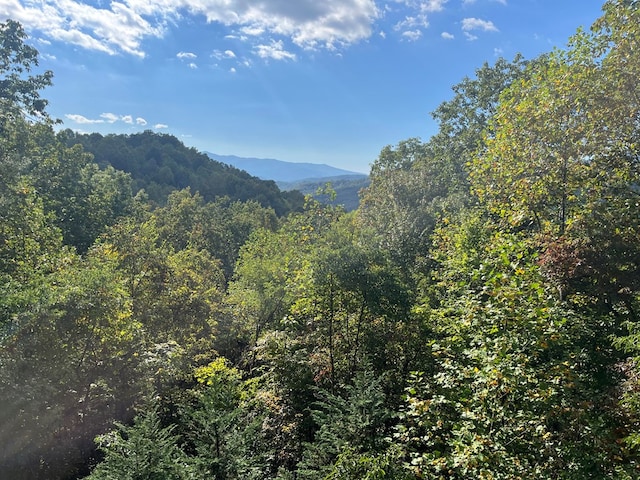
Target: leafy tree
(355, 422)
(145, 450)
(219, 227)
(84, 198)
(562, 154)
(415, 183)
(19, 89)
(63, 356)
(523, 385)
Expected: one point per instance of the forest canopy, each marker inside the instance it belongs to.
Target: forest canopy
(475, 317)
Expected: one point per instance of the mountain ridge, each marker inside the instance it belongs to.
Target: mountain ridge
(281, 171)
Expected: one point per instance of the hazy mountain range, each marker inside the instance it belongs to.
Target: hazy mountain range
(304, 177)
(280, 171)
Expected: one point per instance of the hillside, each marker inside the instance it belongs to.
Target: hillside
(160, 164)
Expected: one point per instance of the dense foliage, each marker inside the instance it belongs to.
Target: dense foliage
(160, 163)
(475, 317)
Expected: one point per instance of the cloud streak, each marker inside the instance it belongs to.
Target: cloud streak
(106, 117)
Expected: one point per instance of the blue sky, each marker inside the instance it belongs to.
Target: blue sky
(322, 81)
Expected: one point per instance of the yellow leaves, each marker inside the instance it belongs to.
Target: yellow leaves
(216, 371)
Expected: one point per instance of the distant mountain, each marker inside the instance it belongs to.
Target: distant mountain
(280, 171)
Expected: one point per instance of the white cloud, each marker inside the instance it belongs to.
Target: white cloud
(447, 36)
(274, 50)
(193, 66)
(81, 119)
(252, 30)
(220, 55)
(110, 117)
(160, 126)
(471, 37)
(470, 24)
(107, 117)
(412, 22)
(424, 5)
(119, 28)
(433, 5)
(412, 35)
(468, 2)
(232, 70)
(183, 55)
(123, 25)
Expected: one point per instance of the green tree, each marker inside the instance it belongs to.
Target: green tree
(63, 358)
(523, 383)
(19, 88)
(145, 450)
(355, 421)
(416, 183)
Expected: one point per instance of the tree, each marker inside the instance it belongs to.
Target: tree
(416, 183)
(562, 151)
(523, 384)
(19, 89)
(144, 450)
(355, 421)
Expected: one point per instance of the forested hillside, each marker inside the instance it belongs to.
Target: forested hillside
(160, 164)
(475, 318)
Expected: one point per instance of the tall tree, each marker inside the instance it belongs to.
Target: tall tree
(415, 183)
(19, 88)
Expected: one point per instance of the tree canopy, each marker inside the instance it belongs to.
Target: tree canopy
(163, 316)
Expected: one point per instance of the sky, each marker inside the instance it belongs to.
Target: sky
(320, 81)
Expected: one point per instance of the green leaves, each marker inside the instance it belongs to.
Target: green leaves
(19, 91)
(146, 450)
(518, 375)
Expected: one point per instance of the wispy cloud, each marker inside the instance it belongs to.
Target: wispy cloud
(469, 24)
(186, 55)
(433, 5)
(220, 55)
(160, 126)
(106, 117)
(412, 22)
(110, 117)
(424, 5)
(474, 24)
(447, 36)
(275, 50)
(82, 120)
(412, 35)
